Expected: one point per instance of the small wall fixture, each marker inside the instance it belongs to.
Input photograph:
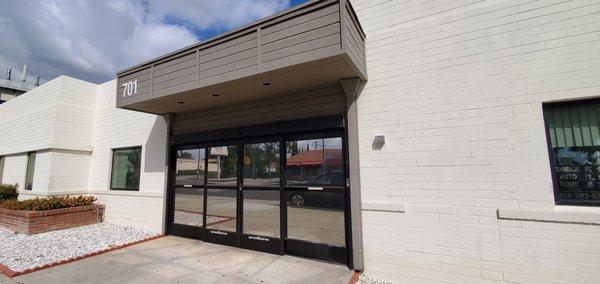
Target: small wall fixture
(378, 142)
(215, 95)
(267, 84)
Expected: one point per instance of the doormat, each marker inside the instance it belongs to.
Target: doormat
(191, 218)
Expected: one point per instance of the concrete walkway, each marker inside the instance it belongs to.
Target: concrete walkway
(178, 260)
(6, 280)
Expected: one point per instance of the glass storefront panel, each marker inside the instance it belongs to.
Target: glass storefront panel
(189, 206)
(261, 213)
(261, 164)
(222, 166)
(221, 209)
(316, 217)
(313, 196)
(314, 162)
(190, 167)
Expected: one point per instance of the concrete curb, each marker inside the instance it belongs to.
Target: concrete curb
(11, 273)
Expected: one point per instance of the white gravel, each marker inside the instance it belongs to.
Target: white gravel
(20, 252)
(368, 280)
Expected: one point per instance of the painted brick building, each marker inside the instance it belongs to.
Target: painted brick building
(486, 171)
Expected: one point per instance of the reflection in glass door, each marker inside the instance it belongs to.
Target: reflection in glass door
(188, 203)
(261, 197)
(287, 194)
(222, 195)
(315, 197)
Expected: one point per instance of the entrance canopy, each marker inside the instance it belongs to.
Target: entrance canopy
(315, 44)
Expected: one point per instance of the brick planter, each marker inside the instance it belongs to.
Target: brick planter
(35, 222)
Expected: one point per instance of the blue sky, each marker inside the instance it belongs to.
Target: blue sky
(91, 40)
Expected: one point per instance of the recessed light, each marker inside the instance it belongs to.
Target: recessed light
(267, 84)
(181, 102)
(215, 95)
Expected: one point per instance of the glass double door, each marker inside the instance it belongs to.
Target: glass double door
(278, 195)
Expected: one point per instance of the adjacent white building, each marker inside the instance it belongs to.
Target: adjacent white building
(67, 128)
(488, 172)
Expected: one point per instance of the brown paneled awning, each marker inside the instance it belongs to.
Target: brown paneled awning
(315, 44)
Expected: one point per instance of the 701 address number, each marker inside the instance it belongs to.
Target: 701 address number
(129, 88)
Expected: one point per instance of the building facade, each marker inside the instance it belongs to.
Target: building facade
(418, 141)
(10, 87)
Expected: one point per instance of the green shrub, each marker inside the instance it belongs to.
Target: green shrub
(9, 191)
(48, 203)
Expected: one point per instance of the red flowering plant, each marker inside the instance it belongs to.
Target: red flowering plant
(48, 203)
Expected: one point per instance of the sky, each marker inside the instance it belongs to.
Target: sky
(93, 39)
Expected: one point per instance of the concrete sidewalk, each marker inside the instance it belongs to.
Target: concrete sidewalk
(6, 280)
(178, 260)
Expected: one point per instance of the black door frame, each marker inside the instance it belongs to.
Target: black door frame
(309, 249)
(257, 134)
(252, 241)
(215, 235)
(172, 228)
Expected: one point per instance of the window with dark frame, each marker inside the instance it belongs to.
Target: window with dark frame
(1, 168)
(125, 168)
(573, 132)
(30, 171)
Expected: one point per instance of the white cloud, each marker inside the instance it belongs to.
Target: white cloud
(207, 13)
(91, 40)
(150, 40)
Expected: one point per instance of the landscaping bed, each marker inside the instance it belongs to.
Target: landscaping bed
(24, 253)
(34, 222)
(39, 215)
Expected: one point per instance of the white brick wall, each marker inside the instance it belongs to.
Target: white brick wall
(457, 87)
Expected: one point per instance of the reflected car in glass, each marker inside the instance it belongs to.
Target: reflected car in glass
(320, 199)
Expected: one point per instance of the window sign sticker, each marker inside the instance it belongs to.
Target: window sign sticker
(577, 172)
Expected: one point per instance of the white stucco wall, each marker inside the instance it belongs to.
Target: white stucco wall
(41, 175)
(73, 126)
(14, 169)
(58, 114)
(456, 87)
(117, 128)
(51, 119)
(69, 171)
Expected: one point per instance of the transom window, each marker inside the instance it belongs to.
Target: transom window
(574, 138)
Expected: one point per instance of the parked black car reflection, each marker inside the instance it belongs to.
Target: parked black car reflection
(318, 198)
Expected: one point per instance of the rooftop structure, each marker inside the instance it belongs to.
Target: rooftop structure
(11, 87)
